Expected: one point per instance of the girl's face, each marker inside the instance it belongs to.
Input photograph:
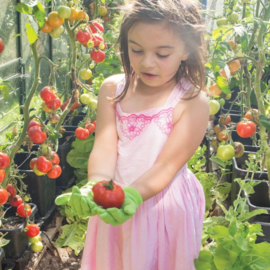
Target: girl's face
(155, 52)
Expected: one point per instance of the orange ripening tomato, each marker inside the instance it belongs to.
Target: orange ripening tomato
(232, 44)
(234, 66)
(47, 28)
(55, 20)
(223, 136)
(223, 73)
(224, 119)
(81, 15)
(214, 90)
(252, 115)
(74, 14)
(218, 128)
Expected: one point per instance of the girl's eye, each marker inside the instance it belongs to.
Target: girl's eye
(135, 51)
(163, 56)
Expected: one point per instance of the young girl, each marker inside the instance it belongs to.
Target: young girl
(144, 138)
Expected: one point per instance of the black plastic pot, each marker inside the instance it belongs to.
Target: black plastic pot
(260, 200)
(42, 189)
(239, 172)
(18, 239)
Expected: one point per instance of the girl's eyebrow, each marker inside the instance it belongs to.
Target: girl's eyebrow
(159, 47)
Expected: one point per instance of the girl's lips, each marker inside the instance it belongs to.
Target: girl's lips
(148, 76)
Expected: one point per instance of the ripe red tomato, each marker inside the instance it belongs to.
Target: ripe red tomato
(43, 164)
(82, 133)
(33, 161)
(108, 194)
(54, 172)
(2, 45)
(91, 127)
(95, 25)
(4, 160)
(3, 196)
(54, 158)
(94, 122)
(224, 119)
(11, 190)
(2, 175)
(54, 104)
(46, 94)
(36, 135)
(97, 55)
(24, 210)
(15, 201)
(95, 40)
(33, 123)
(32, 230)
(246, 129)
(83, 36)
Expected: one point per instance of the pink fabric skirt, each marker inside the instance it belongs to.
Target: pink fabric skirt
(165, 232)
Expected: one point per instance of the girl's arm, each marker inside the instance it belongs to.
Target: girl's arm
(187, 134)
(102, 160)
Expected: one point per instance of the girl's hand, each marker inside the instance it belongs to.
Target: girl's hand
(80, 201)
(116, 216)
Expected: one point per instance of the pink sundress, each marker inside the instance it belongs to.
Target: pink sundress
(165, 233)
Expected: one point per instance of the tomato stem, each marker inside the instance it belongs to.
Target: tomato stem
(108, 185)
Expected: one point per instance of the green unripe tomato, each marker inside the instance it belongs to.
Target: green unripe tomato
(93, 103)
(214, 106)
(64, 12)
(85, 99)
(245, 1)
(221, 102)
(37, 172)
(37, 247)
(228, 96)
(233, 17)
(85, 74)
(225, 152)
(222, 21)
(56, 32)
(34, 240)
(102, 10)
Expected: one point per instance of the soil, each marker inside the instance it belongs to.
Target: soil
(51, 257)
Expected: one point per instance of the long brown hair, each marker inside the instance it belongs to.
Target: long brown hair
(186, 22)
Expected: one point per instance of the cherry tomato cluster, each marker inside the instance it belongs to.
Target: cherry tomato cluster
(34, 238)
(4, 163)
(47, 164)
(51, 100)
(83, 133)
(91, 37)
(35, 133)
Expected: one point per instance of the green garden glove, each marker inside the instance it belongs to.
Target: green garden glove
(116, 216)
(80, 200)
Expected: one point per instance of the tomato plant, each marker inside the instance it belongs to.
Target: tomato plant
(246, 129)
(15, 201)
(24, 210)
(32, 230)
(108, 194)
(82, 133)
(225, 152)
(3, 196)
(4, 160)
(2, 45)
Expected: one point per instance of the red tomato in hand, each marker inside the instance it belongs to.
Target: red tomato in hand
(54, 172)
(2, 45)
(3, 196)
(4, 160)
(15, 201)
(246, 129)
(97, 55)
(32, 230)
(24, 210)
(2, 175)
(43, 164)
(108, 194)
(83, 36)
(11, 190)
(36, 135)
(46, 94)
(81, 133)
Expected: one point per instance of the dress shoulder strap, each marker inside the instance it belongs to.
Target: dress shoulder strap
(119, 87)
(178, 92)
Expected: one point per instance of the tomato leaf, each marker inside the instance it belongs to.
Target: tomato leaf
(77, 159)
(4, 88)
(223, 85)
(31, 33)
(39, 13)
(264, 121)
(23, 8)
(84, 146)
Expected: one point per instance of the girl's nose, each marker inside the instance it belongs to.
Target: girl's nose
(148, 61)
